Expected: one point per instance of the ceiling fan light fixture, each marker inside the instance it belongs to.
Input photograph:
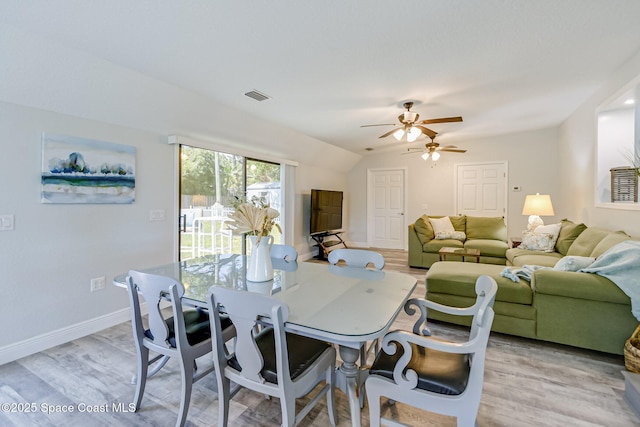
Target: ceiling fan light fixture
(425, 155)
(410, 116)
(413, 134)
(398, 134)
(435, 156)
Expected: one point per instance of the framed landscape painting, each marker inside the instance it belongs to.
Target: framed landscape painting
(79, 170)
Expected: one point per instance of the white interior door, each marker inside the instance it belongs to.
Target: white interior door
(386, 218)
(481, 189)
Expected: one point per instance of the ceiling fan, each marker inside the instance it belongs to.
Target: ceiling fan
(411, 127)
(433, 149)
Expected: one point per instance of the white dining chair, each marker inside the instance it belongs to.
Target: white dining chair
(357, 258)
(185, 336)
(440, 376)
(284, 252)
(272, 362)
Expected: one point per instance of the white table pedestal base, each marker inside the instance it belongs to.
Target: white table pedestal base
(347, 379)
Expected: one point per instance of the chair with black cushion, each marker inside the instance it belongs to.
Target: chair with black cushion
(357, 258)
(185, 336)
(272, 362)
(441, 376)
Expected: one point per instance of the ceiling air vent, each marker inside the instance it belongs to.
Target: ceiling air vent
(258, 96)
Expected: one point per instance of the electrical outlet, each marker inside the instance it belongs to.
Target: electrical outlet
(516, 188)
(97, 284)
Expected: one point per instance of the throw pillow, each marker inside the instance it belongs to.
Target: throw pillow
(573, 263)
(423, 229)
(553, 229)
(441, 224)
(455, 235)
(459, 222)
(537, 242)
(568, 233)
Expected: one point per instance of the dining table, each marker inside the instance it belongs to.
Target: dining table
(342, 305)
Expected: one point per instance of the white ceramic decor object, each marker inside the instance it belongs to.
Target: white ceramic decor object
(259, 268)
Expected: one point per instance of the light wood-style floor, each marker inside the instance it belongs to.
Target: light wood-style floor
(527, 383)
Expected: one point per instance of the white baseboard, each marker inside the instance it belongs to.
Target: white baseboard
(42, 342)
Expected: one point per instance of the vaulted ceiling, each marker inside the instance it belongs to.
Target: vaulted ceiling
(331, 66)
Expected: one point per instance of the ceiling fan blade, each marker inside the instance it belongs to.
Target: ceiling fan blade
(412, 152)
(452, 150)
(441, 120)
(384, 135)
(431, 134)
(384, 124)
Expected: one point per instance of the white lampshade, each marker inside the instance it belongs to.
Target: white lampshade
(435, 156)
(413, 134)
(425, 156)
(537, 205)
(398, 134)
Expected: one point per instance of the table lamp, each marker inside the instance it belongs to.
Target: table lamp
(535, 206)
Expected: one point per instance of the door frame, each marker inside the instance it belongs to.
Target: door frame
(370, 222)
(505, 163)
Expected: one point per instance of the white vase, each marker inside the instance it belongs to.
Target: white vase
(259, 268)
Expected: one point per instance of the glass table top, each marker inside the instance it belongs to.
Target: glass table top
(354, 303)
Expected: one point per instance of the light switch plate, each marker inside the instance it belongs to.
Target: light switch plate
(6, 222)
(156, 215)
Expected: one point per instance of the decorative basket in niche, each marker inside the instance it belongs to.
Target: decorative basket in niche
(624, 185)
(632, 352)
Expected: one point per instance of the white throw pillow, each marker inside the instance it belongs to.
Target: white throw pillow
(573, 263)
(454, 235)
(537, 242)
(441, 225)
(553, 229)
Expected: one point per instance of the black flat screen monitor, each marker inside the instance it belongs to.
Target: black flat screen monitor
(326, 211)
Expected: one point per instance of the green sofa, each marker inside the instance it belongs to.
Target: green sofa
(489, 234)
(578, 309)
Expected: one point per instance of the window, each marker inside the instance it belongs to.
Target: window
(210, 181)
(617, 145)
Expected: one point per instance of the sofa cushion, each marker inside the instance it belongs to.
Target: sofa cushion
(585, 286)
(568, 234)
(520, 257)
(423, 229)
(610, 240)
(435, 245)
(586, 242)
(492, 228)
(492, 248)
(459, 278)
(459, 223)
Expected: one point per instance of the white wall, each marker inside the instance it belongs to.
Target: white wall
(577, 151)
(532, 165)
(48, 260)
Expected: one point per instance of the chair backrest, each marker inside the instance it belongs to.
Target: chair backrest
(245, 309)
(486, 290)
(285, 252)
(154, 288)
(357, 258)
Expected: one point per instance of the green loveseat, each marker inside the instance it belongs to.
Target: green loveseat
(489, 234)
(578, 309)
